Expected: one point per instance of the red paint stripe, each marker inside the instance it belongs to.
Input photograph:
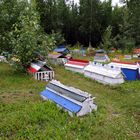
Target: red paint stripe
(137, 50)
(129, 63)
(77, 60)
(32, 70)
(77, 63)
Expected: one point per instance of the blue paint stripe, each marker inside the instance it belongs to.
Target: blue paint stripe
(130, 74)
(60, 49)
(69, 105)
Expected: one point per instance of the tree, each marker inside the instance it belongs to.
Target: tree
(126, 37)
(134, 19)
(106, 13)
(106, 39)
(9, 13)
(27, 38)
(117, 19)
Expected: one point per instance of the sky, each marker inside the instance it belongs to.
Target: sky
(114, 2)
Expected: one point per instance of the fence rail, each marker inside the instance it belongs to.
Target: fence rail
(44, 76)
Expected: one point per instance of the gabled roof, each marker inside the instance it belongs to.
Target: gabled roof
(67, 104)
(36, 66)
(103, 70)
(71, 99)
(60, 49)
(127, 65)
(32, 70)
(54, 55)
(101, 51)
(101, 57)
(77, 63)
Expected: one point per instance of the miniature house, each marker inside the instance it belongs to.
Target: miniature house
(70, 99)
(101, 56)
(130, 70)
(58, 58)
(76, 65)
(127, 57)
(136, 53)
(62, 49)
(3, 59)
(41, 71)
(103, 73)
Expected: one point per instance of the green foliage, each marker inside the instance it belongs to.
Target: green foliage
(107, 15)
(126, 40)
(106, 39)
(58, 37)
(22, 34)
(88, 21)
(46, 43)
(128, 45)
(82, 23)
(27, 39)
(89, 16)
(117, 20)
(9, 13)
(77, 46)
(134, 19)
(25, 35)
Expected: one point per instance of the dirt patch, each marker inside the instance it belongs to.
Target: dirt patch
(12, 97)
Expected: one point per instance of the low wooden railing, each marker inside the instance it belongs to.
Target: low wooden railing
(44, 76)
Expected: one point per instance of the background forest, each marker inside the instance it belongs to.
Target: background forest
(35, 25)
(89, 20)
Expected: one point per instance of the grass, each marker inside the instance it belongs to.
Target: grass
(23, 114)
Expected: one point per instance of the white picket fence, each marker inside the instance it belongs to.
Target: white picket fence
(44, 76)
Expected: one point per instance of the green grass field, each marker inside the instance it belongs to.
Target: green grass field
(23, 114)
